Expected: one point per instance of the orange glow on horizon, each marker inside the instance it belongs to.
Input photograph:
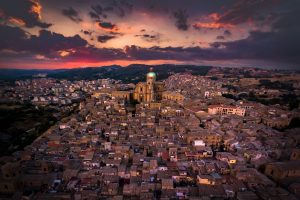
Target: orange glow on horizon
(212, 25)
(46, 64)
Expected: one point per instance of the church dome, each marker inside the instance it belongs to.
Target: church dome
(151, 74)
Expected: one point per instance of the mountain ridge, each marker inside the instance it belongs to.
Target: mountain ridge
(131, 73)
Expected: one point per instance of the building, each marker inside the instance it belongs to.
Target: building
(276, 122)
(149, 91)
(126, 95)
(173, 96)
(281, 170)
(226, 110)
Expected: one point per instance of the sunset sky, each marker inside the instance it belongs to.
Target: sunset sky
(79, 33)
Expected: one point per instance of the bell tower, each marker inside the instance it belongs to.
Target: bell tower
(151, 78)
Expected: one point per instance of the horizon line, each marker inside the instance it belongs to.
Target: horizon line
(217, 66)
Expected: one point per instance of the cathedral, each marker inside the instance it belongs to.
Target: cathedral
(149, 91)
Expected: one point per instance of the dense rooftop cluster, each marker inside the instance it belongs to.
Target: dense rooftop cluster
(112, 149)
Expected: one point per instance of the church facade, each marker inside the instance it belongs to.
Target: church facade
(149, 91)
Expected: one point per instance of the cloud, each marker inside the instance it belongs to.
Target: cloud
(273, 46)
(181, 17)
(15, 38)
(280, 46)
(105, 38)
(121, 7)
(210, 25)
(107, 25)
(97, 9)
(72, 14)
(26, 12)
(116, 7)
(97, 12)
(93, 15)
(278, 43)
(245, 10)
(167, 53)
(220, 37)
(93, 54)
(227, 33)
(54, 46)
(149, 37)
(46, 43)
(85, 32)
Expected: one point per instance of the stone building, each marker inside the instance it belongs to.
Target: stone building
(149, 91)
(126, 95)
(145, 92)
(174, 96)
(281, 170)
(226, 110)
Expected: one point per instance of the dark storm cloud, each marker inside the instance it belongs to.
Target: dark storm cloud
(50, 44)
(15, 38)
(181, 17)
(45, 43)
(245, 10)
(98, 12)
(107, 25)
(280, 42)
(265, 46)
(94, 15)
(72, 14)
(282, 45)
(121, 7)
(105, 38)
(116, 7)
(170, 53)
(25, 10)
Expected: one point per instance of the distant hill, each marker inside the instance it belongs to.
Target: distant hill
(132, 73)
(13, 74)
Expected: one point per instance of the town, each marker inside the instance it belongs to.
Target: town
(185, 137)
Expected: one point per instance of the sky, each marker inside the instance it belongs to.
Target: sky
(50, 34)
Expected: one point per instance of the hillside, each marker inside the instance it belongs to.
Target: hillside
(132, 73)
